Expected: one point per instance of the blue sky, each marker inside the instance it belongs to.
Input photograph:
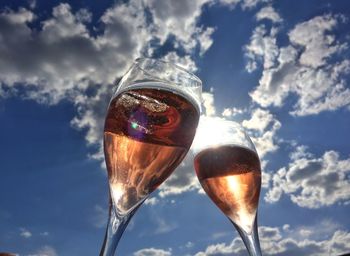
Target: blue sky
(280, 68)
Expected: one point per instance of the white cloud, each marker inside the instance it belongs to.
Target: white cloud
(219, 235)
(231, 112)
(245, 4)
(321, 230)
(305, 232)
(278, 242)
(208, 103)
(179, 18)
(222, 249)
(153, 252)
(270, 233)
(25, 233)
(312, 182)
(151, 201)
(63, 57)
(45, 251)
(164, 226)
(259, 121)
(268, 12)
(189, 244)
(262, 47)
(300, 152)
(83, 15)
(265, 178)
(185, 61)
(248, 4)
(262, 128)
(312, 67)
(318, 44)
(268, 141)
(32, 4)
(231, 3)
(205, 40)
(91, 114)
(286, 227)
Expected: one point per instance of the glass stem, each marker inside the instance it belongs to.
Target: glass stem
(115, 228)
(251, 241)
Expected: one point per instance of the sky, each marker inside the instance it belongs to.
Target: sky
(280, 68)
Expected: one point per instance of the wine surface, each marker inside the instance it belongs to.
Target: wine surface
(231, 176)
(147, 134)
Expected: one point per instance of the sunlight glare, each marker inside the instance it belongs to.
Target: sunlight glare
(211, 132)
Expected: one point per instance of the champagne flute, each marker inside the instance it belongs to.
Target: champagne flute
(150, 125)
(228, 168)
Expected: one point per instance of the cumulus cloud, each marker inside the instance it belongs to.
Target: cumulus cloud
(91, 111)
(311, 67)
(262, 47)
(245, 4)
(153, 252)
(265, 178)
(25, 233)
(177, 18)
(32, 4)
(262, 128)
(62, 57)
(277, 241)
(312, 182)
(62, 60)
(45, 251)
(232, 112)
(205, 40)
(268, 12)
(319, 45)
(151, 201)
(185, 61)
(259, 121)
(164, 226)
(208, 103)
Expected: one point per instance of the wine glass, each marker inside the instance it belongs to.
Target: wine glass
(150, 125)
(228, 168)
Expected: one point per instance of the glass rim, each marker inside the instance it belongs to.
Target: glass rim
(198, 81)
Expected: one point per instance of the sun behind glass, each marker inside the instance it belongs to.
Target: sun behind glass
(228, 168)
